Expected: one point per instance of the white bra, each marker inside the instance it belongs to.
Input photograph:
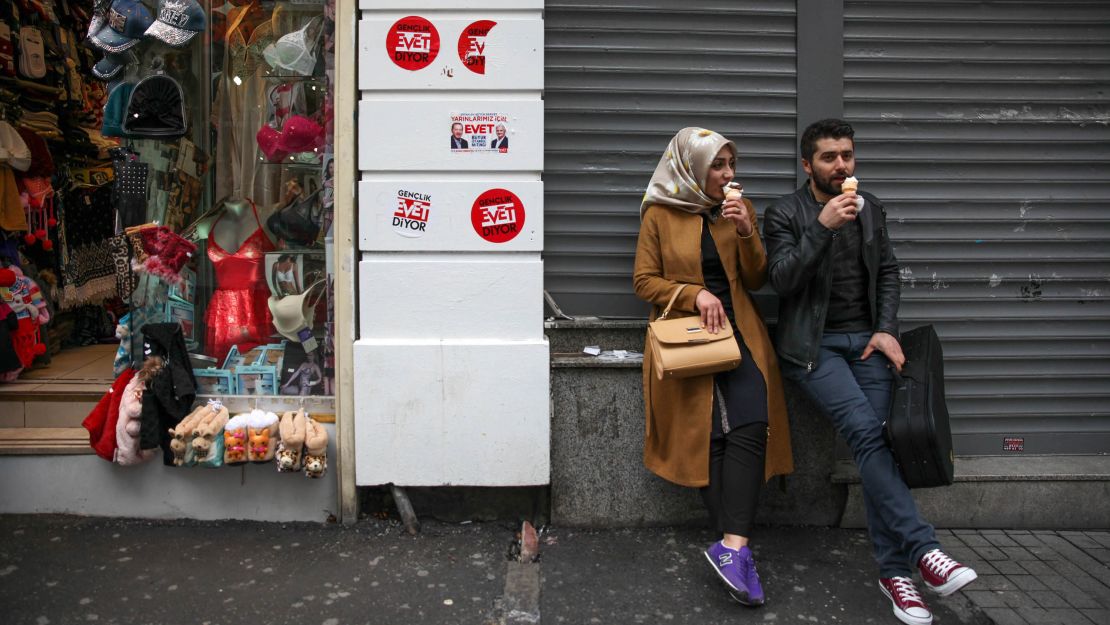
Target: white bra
(294, 315)
(296, 52)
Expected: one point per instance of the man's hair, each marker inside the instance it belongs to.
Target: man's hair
(824, 129)
(459, 124)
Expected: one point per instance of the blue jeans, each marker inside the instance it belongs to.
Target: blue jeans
(855, 395)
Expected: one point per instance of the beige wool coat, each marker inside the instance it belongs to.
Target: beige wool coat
(678, 413)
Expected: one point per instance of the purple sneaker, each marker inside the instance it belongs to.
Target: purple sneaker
(736, 568)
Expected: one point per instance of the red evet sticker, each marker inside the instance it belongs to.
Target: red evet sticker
(472, 45)
(412, 42)
(410, 219)
(497, 215)
(1013, 443)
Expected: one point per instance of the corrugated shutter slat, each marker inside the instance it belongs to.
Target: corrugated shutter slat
(620, 79)
(985, 129)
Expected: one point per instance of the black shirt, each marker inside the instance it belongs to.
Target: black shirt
(716, 280)
(849, 310)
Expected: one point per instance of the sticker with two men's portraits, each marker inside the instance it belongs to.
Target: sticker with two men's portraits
(479, 132)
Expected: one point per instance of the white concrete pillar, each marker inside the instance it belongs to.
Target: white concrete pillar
(451, 365)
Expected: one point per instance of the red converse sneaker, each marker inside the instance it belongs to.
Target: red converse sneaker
(908, 605)
(942, 574)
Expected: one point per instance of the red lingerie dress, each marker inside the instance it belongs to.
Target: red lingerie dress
(238, 313)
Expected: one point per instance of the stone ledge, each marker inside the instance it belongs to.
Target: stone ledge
(1009, 469)
(593, 323)
(586, 361)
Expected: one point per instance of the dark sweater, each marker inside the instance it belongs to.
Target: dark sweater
(849, 310)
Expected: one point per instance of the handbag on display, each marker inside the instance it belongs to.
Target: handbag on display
(682, 348)
(297, 221)
(32, 53)
(129, 194)
(917, 429)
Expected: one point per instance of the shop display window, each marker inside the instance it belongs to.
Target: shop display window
(169, 161)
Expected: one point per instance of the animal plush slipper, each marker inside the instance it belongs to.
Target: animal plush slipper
(208, 440)
(263, 435)
(315, 449)
(235, 439)
(181, 443)
(292, 429)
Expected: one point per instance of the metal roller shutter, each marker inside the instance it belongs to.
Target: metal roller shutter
(985, 128)
(621, 77)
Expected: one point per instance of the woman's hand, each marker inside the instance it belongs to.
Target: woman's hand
(713, 316)
(736, 211)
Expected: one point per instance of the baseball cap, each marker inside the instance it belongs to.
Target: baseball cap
(178, 22)
(107, 67)
(127, 21)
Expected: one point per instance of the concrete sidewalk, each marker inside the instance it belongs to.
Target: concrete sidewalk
(65, 570)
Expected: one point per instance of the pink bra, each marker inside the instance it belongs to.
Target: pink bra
(298, 134)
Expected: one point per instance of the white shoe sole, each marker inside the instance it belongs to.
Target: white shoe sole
(903, 616)
(958, 581)
(718, 572)
(737, 595)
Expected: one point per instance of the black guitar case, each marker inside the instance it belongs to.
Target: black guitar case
(917, 428)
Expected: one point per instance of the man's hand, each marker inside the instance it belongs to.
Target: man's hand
(839, 211)
(888, 346)
(736, 211)
(712, 311)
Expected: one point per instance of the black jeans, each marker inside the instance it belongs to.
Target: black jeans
(735, 478)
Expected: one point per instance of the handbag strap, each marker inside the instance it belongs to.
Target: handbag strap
(667, 310)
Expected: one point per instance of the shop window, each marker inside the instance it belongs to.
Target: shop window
(169, 161)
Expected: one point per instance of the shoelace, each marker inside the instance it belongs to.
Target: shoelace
(937, 562)
(905, 592)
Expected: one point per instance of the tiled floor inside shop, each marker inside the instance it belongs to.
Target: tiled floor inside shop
(60, 395)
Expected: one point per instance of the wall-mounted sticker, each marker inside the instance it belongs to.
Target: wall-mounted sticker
(479, 132)
(410, 219)
(412, 43)
(497, 215)
(1013, 443)
(472, 45)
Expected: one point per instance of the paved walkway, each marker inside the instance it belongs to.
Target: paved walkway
(1035, 577)
(64, 570)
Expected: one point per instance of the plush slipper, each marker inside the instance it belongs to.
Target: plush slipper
(208, 440)
(235, 439)
(315, 449)
(292, 429)
(263, 436)
(182, 435)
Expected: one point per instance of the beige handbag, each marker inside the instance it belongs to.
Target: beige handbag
(682, 348)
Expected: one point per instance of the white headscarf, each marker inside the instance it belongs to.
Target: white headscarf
(680, 175)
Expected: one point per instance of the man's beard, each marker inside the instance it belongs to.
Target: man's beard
(824, 185)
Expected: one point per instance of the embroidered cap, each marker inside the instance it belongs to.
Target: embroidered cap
(178, 22)
(108, 67)
(127, 21)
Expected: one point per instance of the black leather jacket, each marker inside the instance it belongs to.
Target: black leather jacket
(800, 271)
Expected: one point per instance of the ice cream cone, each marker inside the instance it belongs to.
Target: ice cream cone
(850, 185)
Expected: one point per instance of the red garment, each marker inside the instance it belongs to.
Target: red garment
(238, 313)
(101, 422)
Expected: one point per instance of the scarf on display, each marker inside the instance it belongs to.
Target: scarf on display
(38, 202)
(165, 253)
(681, 172)
(85, 231)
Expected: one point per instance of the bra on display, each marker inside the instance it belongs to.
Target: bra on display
(294, 315)
(298, 134)
(296, 52)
